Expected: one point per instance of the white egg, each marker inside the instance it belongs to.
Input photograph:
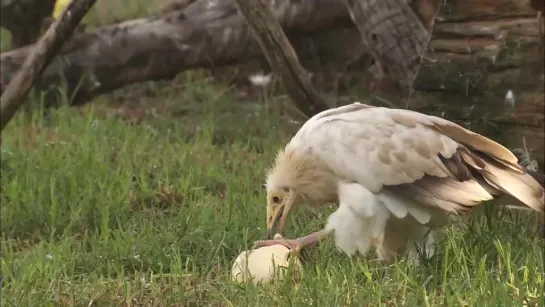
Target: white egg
(264, 264)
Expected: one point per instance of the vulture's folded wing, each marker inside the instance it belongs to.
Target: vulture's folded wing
(425, 158)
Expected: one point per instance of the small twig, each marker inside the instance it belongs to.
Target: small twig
(46, 48)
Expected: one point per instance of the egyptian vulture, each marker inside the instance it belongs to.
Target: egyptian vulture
(396, 176)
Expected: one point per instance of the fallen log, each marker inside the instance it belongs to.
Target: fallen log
(206, 33)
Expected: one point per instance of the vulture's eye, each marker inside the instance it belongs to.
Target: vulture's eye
(286, 190)
(276, 199)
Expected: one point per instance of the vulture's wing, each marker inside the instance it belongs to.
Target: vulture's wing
(425, 158)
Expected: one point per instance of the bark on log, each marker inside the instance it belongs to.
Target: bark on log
(281, 57)
(45, 50)
(396, 34)
(175, 5)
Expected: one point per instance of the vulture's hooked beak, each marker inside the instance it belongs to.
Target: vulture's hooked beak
(276, 219)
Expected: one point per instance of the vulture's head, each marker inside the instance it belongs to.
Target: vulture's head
(295, 180)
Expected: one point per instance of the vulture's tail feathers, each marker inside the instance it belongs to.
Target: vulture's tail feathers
(495, 166)
(503, 176)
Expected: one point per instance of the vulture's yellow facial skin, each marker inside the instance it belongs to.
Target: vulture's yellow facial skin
(279, 203)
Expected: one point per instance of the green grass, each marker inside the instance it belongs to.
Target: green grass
(96, 210)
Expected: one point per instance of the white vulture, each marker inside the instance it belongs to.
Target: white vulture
(396, 176)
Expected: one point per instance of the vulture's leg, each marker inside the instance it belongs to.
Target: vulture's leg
(420, 244)
(393, 241)
(295, 244)
(400, 237)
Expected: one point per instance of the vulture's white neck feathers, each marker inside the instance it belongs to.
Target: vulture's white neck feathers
(305, 174)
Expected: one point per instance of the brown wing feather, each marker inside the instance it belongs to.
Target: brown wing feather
(480, 143)
(456, 194)
(456, 167)
(521, 186)
(501, 169)
(479, 180)
(539, 177)
(476, 160)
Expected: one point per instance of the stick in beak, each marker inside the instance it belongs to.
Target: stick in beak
(272, 222)
(278, 206)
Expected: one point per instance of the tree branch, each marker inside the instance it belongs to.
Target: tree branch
(13, 96)
(281, 56)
